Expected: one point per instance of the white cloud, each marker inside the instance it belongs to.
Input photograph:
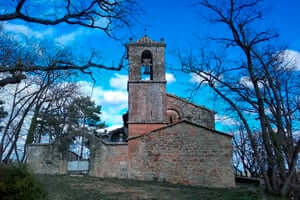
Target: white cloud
(102, 22)
(102, 96)
(291, 59)
(119, 81)
(114, 102)
(195, 78)
(115, 97)
(170, 78)
(225, 120)
(25, 30)
(245, 81)
(69, 37)
(200, 78)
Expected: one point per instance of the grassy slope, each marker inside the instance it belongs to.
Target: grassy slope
(89, 188)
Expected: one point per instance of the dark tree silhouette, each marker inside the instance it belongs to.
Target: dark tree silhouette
(85, 13)
(101, 15)
(259, 85)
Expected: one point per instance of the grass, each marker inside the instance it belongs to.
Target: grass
(91, 188)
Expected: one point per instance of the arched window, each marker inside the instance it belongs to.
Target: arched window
(172, 116)
(146, 65)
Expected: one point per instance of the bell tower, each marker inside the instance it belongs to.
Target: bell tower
(146, 86)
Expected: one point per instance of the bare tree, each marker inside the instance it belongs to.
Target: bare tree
(103, 15)
(34, 96)
(24, 99)
(97, 14)
(244, 160)
(258, 83)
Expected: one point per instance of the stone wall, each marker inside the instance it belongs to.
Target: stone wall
(111, 161)
(191, 112)
(183, 153)
(46, 159)
(140, 129)
(106, 160)
(146, 102)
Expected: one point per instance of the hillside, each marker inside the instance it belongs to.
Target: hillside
(90, 188)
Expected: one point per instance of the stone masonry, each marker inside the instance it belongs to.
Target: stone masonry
(185, 153)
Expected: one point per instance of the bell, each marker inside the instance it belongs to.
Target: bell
(147, 70)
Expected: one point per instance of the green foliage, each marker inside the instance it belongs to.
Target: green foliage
(84, 111)
(78, 113)
(64, 145)
(16, 183)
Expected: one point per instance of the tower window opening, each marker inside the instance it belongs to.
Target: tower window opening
(146, 65)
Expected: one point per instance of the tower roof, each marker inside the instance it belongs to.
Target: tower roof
(147, 41)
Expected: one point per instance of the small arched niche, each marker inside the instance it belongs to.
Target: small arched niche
(146, 65)
(173, 116)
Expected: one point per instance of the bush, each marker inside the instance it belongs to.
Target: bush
(17, 183)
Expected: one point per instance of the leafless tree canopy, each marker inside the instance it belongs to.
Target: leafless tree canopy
(103, 15)
(99, 14)
(44, 93)
(252, 74)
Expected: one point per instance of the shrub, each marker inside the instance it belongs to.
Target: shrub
(17, 183)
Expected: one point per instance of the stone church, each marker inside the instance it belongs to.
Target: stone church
(164, 138)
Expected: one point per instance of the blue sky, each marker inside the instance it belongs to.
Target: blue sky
(179, 23)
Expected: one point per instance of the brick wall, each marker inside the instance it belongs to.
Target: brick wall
(183, 153)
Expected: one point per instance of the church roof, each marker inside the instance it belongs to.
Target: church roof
(180, 122)
(145, 39)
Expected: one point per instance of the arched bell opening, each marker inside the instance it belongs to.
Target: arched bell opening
(146, 65)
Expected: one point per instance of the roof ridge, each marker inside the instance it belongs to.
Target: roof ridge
(178, 122)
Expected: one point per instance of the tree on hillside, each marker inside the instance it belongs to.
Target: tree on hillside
(62, 118)
(57, 97)
(102, 15)
(23, 99)
(85, 112)
(44, 106)
(81, 114)
(253, 76)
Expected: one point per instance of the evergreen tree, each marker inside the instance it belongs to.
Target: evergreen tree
(80, 113)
